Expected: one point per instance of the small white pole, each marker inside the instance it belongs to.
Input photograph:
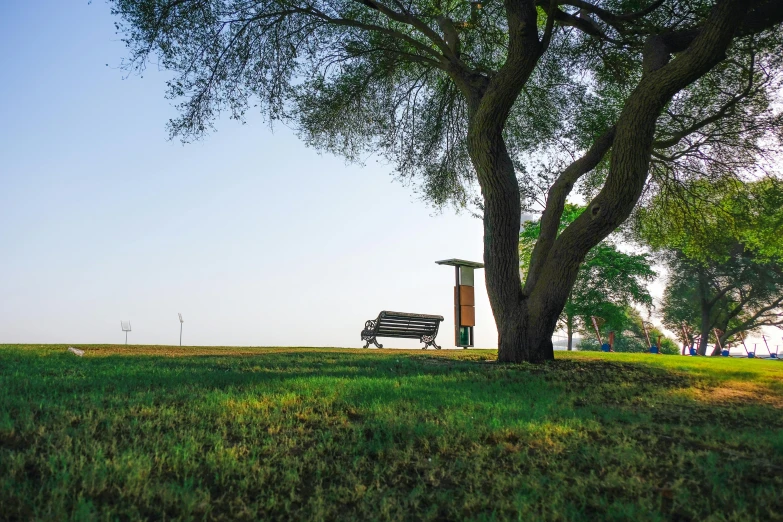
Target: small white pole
(126, 327)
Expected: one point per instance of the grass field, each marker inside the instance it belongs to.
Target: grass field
(129, 433)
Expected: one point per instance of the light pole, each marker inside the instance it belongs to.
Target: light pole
(126, 327)
(180, 328)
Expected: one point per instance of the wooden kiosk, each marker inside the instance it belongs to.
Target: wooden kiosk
(464, 300)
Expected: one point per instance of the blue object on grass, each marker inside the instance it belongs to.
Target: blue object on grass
(693, 351)
(724, 352)
(653, 349)
(606, 348)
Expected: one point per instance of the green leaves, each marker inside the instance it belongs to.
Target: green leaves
(714, 221)
(724, 248)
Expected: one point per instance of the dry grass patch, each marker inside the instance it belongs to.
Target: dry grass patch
(735, 392)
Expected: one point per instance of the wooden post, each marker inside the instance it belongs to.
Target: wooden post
(597, 332)
(685, 338)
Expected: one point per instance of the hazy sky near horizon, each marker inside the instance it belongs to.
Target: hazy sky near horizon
(253, 237)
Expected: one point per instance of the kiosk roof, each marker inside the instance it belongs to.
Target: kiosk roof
(460, 262)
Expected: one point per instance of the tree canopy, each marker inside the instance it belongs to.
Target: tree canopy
(725, 258)
(500, 104)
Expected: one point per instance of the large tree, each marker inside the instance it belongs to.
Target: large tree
(609, 280)
(457, 93)
(725, 257)
(734, 296)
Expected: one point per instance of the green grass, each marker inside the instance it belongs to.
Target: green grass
(128, 433)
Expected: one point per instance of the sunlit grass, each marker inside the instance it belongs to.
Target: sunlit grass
(214, 433)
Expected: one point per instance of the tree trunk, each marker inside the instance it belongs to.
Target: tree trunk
(526, 339)
(525, 327)
(722, 341)
(705, 332)
(705, 310)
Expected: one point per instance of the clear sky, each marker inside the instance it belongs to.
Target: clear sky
(253, 237)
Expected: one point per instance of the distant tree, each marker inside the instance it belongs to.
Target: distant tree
(464, 95)
(725, 258)
(738, 295)
(608, 280)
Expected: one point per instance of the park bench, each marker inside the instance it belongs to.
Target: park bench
(402, 325)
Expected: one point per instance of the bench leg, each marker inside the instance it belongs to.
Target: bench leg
(374, 341)
(429, 341)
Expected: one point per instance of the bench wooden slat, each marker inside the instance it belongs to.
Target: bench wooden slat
(386, 313)
(405, 325)
(412, 319)
(395, 333)
(422, 327)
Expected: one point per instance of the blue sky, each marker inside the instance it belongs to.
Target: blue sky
(253, 237)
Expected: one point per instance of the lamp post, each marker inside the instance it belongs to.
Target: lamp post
(180, 328)
(126, 327)
(464, 300)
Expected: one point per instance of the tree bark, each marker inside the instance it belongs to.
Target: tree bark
(525, 323)
(522, 336)
(705, 309)
(704, 329)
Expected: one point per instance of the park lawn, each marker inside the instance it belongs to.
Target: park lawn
(152, 432)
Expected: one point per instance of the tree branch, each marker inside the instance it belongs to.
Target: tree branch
(659, 48)
(585, 25)
(610, 17)
(550, 24)
(408, 18)
(556, 198)
(751, 323)
(375, 28)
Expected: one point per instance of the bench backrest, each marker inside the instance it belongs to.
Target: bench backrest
(413, 326)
